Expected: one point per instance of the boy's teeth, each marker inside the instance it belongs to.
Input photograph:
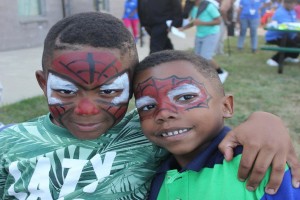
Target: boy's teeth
(171, 133)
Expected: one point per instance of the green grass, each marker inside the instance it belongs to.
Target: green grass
(255, 86)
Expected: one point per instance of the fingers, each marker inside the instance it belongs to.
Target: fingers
(277, 173)
(248, 158)
(263, 159)
(228, 144)
(294, 164)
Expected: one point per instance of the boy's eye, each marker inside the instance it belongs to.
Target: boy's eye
(145, 103)
(148, 107)
(108, 91)
(66, 92)
(186, 97)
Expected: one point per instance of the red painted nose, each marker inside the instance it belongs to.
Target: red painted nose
(86, 107)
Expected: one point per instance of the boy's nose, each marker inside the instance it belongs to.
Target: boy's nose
(165, 114)
(86, 107)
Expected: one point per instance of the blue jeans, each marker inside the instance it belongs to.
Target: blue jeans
(253, 25)
(206, 46)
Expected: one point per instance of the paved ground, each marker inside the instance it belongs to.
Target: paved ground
(17, 68)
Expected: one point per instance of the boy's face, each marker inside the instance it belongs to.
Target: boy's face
(178, 107)
(87, 90)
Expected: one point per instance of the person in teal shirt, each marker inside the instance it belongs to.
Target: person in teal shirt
(182, 107)
(206, 17)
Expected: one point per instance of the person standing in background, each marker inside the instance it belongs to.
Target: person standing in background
(153, 15)
(206, 17)
(284, 13)
(249, 17)
(130, 17)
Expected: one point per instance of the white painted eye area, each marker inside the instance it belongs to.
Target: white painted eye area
(59, 85)
(145, 103)
(119, 85)
(183, 93)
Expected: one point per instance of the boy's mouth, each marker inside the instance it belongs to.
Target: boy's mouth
(87, 127)
(174, 132)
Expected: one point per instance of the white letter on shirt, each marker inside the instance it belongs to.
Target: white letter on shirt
(71, 180)
(102, 169)
(39, 183)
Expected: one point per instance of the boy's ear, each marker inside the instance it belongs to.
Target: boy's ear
(227, 106)
(41, 79)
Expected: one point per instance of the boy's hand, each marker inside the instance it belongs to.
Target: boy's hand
(266, 143)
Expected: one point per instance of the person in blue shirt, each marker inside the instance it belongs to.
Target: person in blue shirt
(130, 17)
(249, 17)
(284, 13)
(182, 106)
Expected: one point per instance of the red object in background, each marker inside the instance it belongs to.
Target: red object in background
(266, 17)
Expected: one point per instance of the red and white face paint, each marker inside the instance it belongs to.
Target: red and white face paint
(170, 94)
(87, 83)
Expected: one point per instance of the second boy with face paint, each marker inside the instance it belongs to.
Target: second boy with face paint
(182, 107)
(86, 147)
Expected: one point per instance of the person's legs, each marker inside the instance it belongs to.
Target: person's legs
(223, 34)
(209, 45)
(254, 23)
(159, 38)
(243, 31)
(127, 23)
(208, 51)
(292, 43)
(289, 43)
(168, 44)
(198, 46)
(135, 28)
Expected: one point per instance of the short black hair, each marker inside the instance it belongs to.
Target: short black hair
(93, 29)
(200, 63)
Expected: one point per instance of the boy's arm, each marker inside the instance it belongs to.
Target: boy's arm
(266, 142)
(224, 8)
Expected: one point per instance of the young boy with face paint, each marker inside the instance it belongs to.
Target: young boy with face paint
(182, 107)
(86, 147)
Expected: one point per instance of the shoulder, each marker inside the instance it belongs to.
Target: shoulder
(17, 126)
(212, 8)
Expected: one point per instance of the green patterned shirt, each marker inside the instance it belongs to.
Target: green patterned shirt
(40, 160)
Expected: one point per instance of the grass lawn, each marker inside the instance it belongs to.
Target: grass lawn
(255, 86)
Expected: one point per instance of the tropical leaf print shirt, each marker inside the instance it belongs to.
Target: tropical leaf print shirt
(40, 160)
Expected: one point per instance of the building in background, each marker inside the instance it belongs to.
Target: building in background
(25, 23)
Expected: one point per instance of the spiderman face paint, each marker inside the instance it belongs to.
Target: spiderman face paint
(87, 91)
(178, 107)
(173, 94)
